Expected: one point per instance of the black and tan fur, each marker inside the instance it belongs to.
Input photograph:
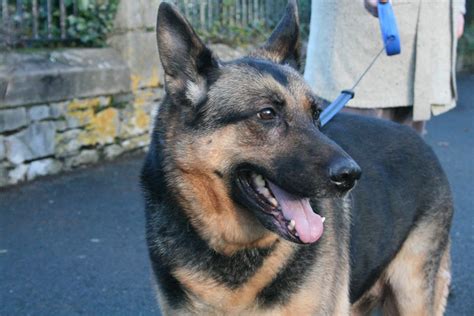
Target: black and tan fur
(385, 242)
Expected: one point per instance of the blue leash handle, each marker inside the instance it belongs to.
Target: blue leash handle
(391, 40)
(389, 28)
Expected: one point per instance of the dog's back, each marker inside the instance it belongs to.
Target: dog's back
(402, 195)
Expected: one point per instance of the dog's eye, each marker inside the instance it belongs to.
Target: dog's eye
(316, 114)
(266, 114)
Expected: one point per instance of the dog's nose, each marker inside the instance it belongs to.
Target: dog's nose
(344, 174)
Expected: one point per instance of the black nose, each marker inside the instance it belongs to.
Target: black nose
(344, 174)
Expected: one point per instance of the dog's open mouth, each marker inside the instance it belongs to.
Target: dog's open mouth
(293, 216)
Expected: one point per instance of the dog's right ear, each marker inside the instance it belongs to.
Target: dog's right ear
(187, 62)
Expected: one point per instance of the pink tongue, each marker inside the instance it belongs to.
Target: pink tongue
(309, 225)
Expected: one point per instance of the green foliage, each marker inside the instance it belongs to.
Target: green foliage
(86, 25)
(229, 31)
(93, 22)
(234, 35)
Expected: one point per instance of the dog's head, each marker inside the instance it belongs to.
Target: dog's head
(242, 138)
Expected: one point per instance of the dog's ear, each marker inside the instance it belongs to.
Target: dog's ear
(284, 46)
(187, 62)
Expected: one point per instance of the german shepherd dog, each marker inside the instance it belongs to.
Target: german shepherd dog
(252, 208)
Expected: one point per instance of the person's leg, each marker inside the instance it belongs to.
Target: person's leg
(419, 126)
(404, 115)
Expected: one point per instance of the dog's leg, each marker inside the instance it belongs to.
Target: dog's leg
(442, 282)
(418, 277)
(369, 300)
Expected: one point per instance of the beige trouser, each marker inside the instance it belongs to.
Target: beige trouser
(402, 115)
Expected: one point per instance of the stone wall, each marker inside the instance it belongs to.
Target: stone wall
(102, 116)
(67, 108)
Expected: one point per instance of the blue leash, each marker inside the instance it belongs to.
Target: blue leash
(392, 46)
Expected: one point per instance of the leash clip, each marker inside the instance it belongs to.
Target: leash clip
(337, 105)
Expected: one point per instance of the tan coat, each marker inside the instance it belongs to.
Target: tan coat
(344, 39)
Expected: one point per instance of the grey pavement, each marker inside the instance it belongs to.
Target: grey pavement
(74, 244)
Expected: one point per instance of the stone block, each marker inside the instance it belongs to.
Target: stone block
(61, 125)
(134, 122)
(89, 156)
(58, 75)
(83, 105)
(36, 141)
(104, 101)
(58, 109)
(81, 112)
(102, 129)
(139, 51)
(136, 117)
(75, 122)
(12, 119)
(43, 167)
(113, 151)
(146, 96)
(121, 100)
(17, 174)
(136, 142)
(67, 143)
(38, 113)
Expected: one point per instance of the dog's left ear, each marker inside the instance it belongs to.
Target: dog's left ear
(187, 62)
(284, 46)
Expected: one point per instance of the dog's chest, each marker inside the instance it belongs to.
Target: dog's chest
(286, 283)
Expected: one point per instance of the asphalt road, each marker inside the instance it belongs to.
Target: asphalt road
(74, 244)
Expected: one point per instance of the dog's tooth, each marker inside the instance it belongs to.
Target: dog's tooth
(292, 225)
(273, 201)
(264, 191)
(259, 181)
(323, 219)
